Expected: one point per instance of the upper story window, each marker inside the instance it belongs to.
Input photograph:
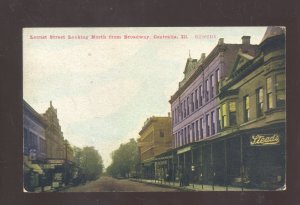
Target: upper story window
(161, 133)
(200, 95)
(201, 128)
(246, 108)
(173, 116)
(213, 122)
(218, 117)
(192, 102)
(181, 110)
(207, 125)
(224, 115)
(212, 86)
(217, 81)
(269, 93)
(280, 90)
(196, 99)
(232, 113)
(259, 101)
(197, 130)
(178, 113)
(188, 106)
(206, 90)
(193, 132)
(184, 107)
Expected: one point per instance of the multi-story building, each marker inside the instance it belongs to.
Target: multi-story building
(155, 138)
(195, 105)
(34, 148)
(54, 135)
(254, 116)
(228, 115)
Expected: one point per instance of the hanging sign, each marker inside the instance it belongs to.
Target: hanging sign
(264, 140)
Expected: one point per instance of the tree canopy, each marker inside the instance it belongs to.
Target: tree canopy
(89, 161)
(124, 159)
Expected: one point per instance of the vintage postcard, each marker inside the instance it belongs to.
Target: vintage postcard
(146, 109)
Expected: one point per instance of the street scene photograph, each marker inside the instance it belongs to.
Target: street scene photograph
(154, 109)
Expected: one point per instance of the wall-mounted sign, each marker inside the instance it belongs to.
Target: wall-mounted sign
(184, 150)
(264, 140)
(56, 161)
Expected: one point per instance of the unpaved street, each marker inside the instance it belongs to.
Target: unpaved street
(107, 184)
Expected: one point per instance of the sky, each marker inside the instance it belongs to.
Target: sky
(105, 89)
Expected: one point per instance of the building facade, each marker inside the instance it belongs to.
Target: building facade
(254, 115)
(195, 106)
(155, 138)
(228, 115)
(54, 135)
(48, 157)
(34, 149)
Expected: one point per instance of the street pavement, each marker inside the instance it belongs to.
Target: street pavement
(109, 184)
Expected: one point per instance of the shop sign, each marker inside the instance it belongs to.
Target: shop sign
(264, 140)
(56, 161)
(184, 150)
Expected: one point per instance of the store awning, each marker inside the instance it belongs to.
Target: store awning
(34, 167)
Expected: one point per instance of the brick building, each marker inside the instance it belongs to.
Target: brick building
(155, 138)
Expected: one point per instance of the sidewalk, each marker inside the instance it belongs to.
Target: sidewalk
(193, 187)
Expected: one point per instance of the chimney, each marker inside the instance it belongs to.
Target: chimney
(246, 40)
(202, 56)
(221, 41)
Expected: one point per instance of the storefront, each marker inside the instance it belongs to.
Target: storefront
(33, 174)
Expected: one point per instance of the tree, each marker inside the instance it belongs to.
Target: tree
(124, 159)
(89, 161)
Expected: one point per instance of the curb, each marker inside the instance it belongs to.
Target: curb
(165, 186)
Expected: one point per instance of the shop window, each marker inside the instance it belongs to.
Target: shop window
(246, 108)
(259, 101)
(232, 113)
(269, 93)
(280, 90)
(224, 115)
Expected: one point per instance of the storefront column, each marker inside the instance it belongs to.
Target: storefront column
(201, 164)
(242, 163)
(225, 158)
(193, 170)
(212, 166)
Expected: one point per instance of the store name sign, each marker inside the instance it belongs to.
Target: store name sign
(264, 140)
